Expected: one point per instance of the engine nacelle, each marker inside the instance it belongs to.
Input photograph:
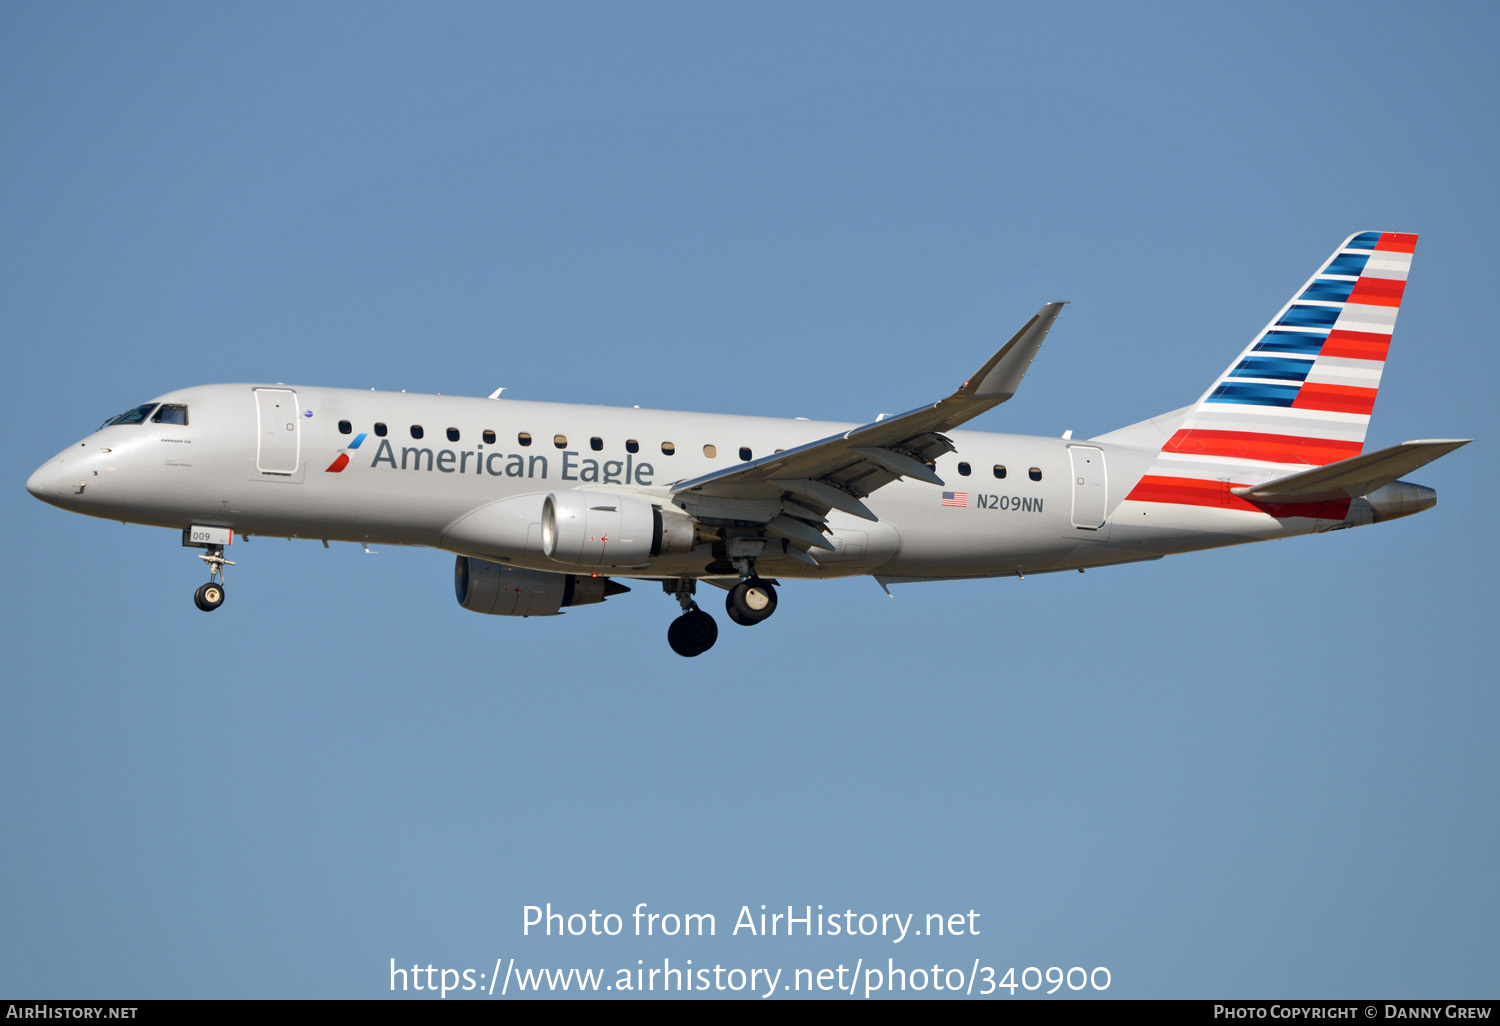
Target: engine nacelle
(485, 587)
(585, 528)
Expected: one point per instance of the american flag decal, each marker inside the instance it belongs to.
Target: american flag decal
(956, 499)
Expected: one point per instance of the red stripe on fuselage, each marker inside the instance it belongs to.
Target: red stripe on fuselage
(1335, 398)
(1253, 445)
(338, 464)
(1189, 491)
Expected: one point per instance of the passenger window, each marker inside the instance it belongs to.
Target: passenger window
(171, 413)
(489, 437)
(963, 469)
(379, 430)
(999, 471)
(711, 451)
(1035, 473)
(596, 443)
(631, 445)
(346, 428)
(667, 448)
(453, 434)
(524, 438)
(561, 441)
(416, 430)
(746, 454)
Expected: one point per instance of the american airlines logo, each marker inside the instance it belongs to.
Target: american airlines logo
(343, 458)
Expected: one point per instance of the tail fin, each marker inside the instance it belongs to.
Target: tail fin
(1301, 393)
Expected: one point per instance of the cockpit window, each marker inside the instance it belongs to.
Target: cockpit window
(135, 416)
(171, 413)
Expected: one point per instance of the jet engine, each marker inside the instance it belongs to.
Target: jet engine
(587, 528)
(485, 587)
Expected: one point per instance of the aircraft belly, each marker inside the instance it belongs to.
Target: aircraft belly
(983, 539)
(1165, 528)
(336, 509)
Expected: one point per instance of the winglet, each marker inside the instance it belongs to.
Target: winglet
(999, 378)
(837, 471)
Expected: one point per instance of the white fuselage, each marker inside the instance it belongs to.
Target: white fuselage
(270, 460)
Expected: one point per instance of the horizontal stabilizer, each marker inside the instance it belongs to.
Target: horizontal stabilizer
(1354, 477)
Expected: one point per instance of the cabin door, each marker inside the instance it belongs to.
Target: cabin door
(279, 428)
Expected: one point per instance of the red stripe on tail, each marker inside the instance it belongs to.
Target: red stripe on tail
(1356, 345)
(1335, 398)
(1253, 445)
(1378, 291)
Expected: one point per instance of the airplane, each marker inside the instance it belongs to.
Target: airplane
(549, 506)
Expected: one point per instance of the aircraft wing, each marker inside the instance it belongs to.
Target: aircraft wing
(791, 492)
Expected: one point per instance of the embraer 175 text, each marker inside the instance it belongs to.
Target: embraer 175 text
(544, 503)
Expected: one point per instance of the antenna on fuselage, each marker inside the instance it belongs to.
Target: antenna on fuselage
(496, 393)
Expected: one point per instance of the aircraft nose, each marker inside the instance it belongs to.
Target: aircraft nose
(37, 484)
(47, 480)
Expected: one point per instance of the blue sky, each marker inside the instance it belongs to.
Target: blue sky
(1260, 772)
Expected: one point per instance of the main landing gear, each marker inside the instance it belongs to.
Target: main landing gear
(211, 595)
(694, 632)
(748, 603)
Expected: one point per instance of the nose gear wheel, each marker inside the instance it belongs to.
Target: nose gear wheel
(211, 595)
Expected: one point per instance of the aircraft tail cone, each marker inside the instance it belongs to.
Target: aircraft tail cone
(1400, 499)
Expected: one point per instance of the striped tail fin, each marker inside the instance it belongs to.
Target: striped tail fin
(1301, 393)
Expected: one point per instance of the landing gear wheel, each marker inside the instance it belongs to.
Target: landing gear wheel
(750, 602)
(209, 597)
(692, 633)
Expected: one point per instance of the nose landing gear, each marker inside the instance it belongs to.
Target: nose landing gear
(211, 595)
